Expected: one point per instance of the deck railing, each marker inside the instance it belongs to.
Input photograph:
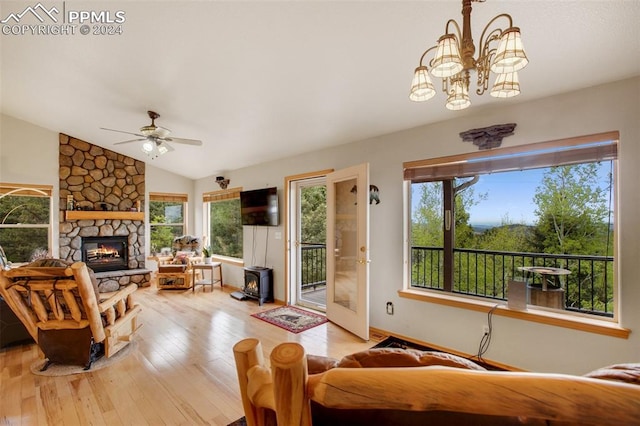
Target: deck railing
(588, 288)
(314, 265)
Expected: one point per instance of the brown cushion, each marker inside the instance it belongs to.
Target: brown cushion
(171, 269)
(319, 364)
(396, 357)
(628, 373)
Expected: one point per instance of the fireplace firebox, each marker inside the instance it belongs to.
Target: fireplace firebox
(258, 283)
(105, 253)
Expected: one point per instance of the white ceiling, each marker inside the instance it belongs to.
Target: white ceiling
(257, 81)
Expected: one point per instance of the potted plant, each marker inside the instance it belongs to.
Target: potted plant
(206, 252)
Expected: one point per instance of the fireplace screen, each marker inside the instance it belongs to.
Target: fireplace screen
(105, 253)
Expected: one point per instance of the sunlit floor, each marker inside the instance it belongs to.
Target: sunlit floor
(180, 372)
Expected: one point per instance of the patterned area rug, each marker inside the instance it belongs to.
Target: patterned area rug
(291, 318)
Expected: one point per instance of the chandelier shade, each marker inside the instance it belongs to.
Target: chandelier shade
(499, 51)
(510, 55)
(421, 87)
(447, 61)
(506, 85)
(458, 96)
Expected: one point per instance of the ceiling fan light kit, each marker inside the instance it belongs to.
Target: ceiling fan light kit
(499, 51)
(154, 138)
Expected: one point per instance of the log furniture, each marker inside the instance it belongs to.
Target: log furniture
(175, 271)
(401, 389)
(64, 313)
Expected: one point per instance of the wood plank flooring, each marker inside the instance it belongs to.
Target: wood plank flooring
(180, 372)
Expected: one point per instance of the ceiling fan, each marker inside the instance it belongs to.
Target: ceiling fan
(155, 138)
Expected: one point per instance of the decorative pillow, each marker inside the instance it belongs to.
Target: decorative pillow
(628, 373)
(396, 357)
(319, 364)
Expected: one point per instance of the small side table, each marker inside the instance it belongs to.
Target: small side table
(211, 267)
(549, 293)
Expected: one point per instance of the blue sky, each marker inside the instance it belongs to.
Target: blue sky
(512, 193)
(509, 192)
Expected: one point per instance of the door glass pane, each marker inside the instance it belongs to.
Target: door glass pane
(346, 245)
(312, 240)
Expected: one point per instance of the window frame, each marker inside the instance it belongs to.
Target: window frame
(169, 197)
(213, 197)
(513, 158)
(33, 190)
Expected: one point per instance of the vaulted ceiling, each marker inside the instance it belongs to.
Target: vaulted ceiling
(262, 80)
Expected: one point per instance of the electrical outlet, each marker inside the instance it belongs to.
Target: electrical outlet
(485, 329)
(389, 308)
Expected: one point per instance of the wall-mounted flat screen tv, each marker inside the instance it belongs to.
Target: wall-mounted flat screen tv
(259, 207)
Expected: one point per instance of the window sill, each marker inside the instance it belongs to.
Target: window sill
(228, 260)
(589, 325)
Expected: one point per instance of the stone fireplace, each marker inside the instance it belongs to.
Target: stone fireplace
(107, 190)
(105, 253)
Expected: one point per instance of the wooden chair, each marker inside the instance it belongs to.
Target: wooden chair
(175, 271)
(421, 395)
(63, 312)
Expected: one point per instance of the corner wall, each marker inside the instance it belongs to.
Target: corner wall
(527, 345)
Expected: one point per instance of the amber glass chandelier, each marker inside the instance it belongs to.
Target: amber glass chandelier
(500, 52)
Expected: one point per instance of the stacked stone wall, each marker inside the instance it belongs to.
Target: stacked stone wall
(100, 179)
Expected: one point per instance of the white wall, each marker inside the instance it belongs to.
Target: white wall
(516, 342)
(528, 345)
(29, 154)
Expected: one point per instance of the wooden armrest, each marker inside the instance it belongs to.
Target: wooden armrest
(116, 297)
(535, 395)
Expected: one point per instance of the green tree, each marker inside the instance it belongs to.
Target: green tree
(572, 211)
(226, 228)
(17, 213)
(313, 207)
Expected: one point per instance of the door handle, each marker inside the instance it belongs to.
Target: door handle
(364, 261)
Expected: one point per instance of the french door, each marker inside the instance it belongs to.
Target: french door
(308, 242)
(348, 249)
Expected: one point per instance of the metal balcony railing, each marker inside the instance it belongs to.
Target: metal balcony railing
(587, 289)
(314, 265)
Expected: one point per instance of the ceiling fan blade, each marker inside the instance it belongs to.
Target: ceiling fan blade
(164, 144)
(129, 141)
(122, 131)
(161, 132)
(193, 142)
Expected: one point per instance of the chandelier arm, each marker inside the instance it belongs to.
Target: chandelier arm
(484, 42)
(457, 28)
(425, 54)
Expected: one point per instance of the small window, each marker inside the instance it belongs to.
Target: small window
(25, 221)
(167, 219)
(542, 213)
(223, 223)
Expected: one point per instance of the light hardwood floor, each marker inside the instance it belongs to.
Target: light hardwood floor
(181, 371)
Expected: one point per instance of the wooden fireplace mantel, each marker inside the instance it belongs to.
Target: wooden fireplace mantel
(98, 214)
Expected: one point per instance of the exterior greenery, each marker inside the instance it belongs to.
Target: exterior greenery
(225, 233)
(24, 226)
(313, 223)
(166, 223)
(572, 231)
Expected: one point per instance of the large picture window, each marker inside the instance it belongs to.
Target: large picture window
(25, 221)
(222, 222)
(543, 214)
(167, 214)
